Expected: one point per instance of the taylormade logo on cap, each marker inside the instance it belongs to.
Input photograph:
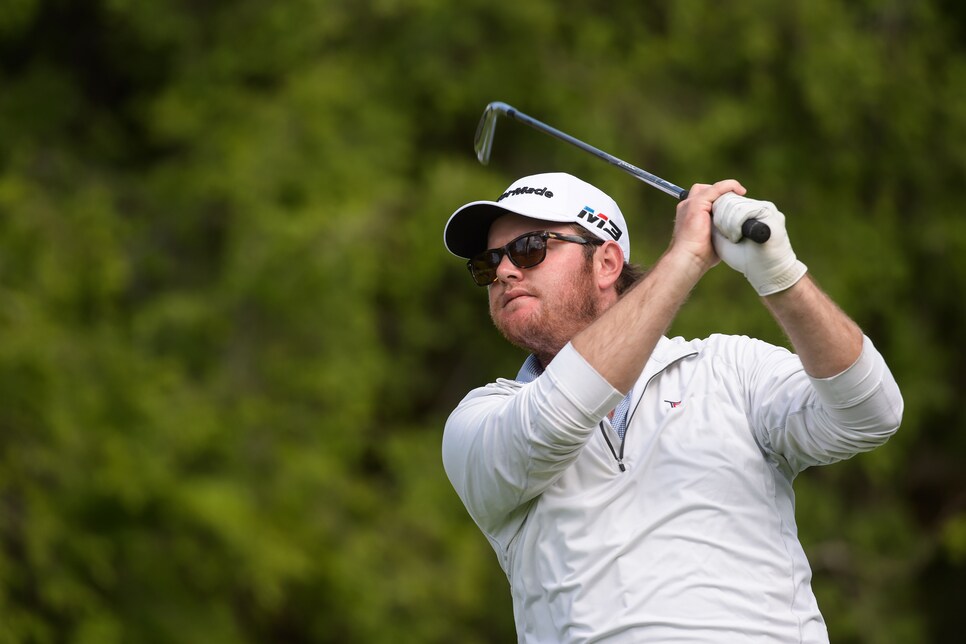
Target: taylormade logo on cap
(554, 196)
(524, 190)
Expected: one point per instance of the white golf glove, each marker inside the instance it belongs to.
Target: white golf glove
(770, 267)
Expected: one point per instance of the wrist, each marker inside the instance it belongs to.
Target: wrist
(685, 265)
(780, 279)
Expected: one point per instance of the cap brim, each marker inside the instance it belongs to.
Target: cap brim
(467, 229)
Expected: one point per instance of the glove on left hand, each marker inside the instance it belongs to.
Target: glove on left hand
(770, 267)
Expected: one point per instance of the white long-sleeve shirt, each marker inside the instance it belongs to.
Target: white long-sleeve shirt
(686, 532)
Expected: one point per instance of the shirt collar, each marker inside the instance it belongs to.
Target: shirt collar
(530, 370)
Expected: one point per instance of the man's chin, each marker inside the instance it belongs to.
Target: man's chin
(515, 316)
(531, 336)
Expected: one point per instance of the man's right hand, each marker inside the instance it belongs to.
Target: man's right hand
(693, 223)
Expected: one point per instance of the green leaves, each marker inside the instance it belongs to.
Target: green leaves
(230, 334)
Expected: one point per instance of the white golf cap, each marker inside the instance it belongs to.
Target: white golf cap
(553, 196)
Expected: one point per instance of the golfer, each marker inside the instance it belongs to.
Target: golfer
(638, 488)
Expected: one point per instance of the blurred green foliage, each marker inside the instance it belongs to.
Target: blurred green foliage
(230, 335)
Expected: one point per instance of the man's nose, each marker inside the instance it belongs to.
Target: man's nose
(506, 269)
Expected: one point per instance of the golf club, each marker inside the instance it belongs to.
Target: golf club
(483, 143)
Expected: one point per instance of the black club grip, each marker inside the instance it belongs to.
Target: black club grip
(756, 231)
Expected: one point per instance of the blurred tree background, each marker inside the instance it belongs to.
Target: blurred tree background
(230, 334)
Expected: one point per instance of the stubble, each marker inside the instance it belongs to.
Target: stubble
(560, 317)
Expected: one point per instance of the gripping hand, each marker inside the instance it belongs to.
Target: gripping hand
(771, 267)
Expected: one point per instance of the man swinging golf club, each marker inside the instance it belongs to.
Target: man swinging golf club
(638, 488)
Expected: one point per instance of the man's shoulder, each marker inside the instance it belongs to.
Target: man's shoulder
(499, 388)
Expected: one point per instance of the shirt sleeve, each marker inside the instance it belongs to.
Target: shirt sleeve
(815, 421)
(507, 442)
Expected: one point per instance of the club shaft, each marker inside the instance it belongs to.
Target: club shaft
(752, 229)
(648, 178)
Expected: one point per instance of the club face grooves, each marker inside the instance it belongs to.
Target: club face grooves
(483, 142)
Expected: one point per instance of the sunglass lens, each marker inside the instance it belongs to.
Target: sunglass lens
(483, 267)
(528, 251)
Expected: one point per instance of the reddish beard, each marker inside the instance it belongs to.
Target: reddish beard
(559, 318)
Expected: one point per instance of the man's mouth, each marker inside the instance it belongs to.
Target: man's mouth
(512, 295)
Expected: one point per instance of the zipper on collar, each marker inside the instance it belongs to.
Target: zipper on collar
(620, 458)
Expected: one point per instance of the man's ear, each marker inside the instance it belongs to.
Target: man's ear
(609, 262)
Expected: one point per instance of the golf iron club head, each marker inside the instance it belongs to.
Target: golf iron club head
(485, 131)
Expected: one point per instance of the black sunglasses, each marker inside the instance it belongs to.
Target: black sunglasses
(526, 251)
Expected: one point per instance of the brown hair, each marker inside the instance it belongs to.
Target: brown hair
(630, 275)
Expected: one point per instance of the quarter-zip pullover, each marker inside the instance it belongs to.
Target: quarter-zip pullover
(682, 531)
